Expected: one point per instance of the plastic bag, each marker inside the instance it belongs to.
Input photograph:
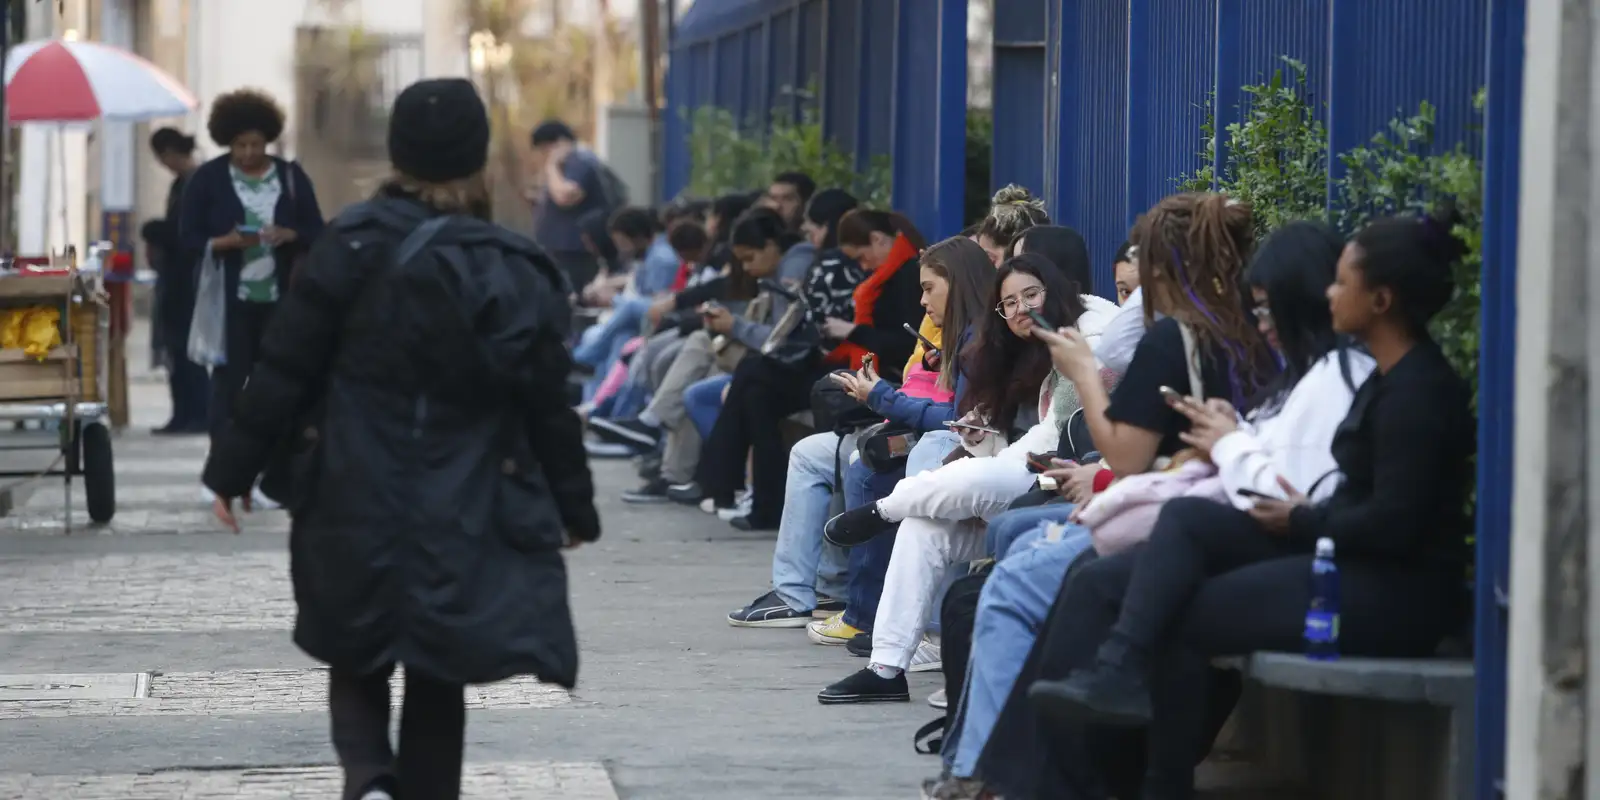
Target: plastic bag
(41, 332)
(36, 331)
(208, 329)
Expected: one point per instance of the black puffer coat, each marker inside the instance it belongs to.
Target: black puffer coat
(433, 463)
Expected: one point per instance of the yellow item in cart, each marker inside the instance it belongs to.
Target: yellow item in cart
(35, 330)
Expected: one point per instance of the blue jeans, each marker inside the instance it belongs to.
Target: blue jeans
(870, 562)
(804, 565)
(598, 343)
(1015, 601)
(703, 400)
(601, 346)
(1006, 528)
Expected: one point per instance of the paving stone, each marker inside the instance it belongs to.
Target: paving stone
(147, 592)
(568, 781)
(270, 691)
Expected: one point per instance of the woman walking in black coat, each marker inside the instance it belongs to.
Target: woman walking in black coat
(432, 476)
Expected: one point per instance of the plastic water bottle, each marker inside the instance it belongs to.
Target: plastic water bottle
(1322, 617)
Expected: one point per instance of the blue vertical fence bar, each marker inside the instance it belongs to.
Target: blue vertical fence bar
(1021, 77)
(890, 76)
(1496, 382)
(1172, 56)
(930, 67)
(1091, 120)
(1253, 38)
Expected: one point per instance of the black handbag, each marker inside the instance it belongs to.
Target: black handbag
(795, 341)
(834, 409)
(885, 446)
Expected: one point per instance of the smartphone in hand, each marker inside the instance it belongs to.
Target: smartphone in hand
(926, 345)
(1038, 319)
(1041, 462)
(1254, 495)
(1170, 395)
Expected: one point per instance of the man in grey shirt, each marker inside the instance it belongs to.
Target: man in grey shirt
(572, 187)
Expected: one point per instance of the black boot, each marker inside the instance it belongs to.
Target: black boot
(1102, 693)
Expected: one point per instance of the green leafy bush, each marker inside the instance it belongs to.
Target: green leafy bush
(725, 156)
(1277, 153)
(1277, 160)
(980, 161)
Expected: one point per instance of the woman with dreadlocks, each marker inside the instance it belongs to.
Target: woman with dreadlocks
(1192, 253)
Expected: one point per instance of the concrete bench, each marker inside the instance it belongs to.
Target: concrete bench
(1370, 728)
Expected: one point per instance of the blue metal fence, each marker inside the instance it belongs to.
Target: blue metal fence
(1098, 107)
(890, 77)
(1135, 79)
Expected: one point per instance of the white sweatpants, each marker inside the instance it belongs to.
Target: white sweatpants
(942, 515)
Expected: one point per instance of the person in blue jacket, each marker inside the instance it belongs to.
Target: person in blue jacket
(257, 215)
(806, 576)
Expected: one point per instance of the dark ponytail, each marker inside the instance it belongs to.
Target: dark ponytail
(1415, 258)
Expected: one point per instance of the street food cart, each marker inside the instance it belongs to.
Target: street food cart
(54, 345)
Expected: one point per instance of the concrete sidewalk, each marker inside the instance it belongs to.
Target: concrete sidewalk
(673, 703)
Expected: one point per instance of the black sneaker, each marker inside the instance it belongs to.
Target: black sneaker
(749, 524)
(626, 431)
(866, 687)
(827, 606)
(653, 491)
(769, 611)
(856, 526)
(689, 494)
(860, 645)
(1102, 694)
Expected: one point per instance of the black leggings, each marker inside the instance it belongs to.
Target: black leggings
(246, 325)
(433, 724)
(762, 393)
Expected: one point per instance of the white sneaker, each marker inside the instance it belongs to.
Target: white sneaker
(377, 794)
(926, 658)
(708, 505)
(740, 509)
(938, 700)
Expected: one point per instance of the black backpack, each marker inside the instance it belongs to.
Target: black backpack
(615, 192)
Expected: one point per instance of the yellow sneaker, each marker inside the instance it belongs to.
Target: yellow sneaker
(832, 630)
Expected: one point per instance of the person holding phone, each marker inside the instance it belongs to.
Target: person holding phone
(1289, 434)
(257, 215)
(807, 576)
(938, 512)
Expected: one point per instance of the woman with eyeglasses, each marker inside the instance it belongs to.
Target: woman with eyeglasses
(939, 511)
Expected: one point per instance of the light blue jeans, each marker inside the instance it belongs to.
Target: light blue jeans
(1012, 607)
(702, 401)
(1006, 529)
(804, 565)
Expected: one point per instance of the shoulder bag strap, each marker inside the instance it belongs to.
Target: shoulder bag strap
(1191, 357)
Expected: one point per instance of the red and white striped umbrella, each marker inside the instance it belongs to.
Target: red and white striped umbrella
(58, 81)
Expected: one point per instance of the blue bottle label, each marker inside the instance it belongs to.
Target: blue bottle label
(1322, 627)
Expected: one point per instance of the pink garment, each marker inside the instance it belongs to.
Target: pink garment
(1124, 514)
(919, 382)
(618, 374)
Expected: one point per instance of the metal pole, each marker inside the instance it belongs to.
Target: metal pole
(6, 245)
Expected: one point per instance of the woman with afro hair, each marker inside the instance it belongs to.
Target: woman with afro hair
(257, 215)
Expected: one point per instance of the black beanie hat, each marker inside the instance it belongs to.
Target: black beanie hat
(439, 130)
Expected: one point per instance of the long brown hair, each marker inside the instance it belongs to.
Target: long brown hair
(1005, 370)
(963, 265)
(1193, 248)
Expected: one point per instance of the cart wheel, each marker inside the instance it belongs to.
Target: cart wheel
(99, 481)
